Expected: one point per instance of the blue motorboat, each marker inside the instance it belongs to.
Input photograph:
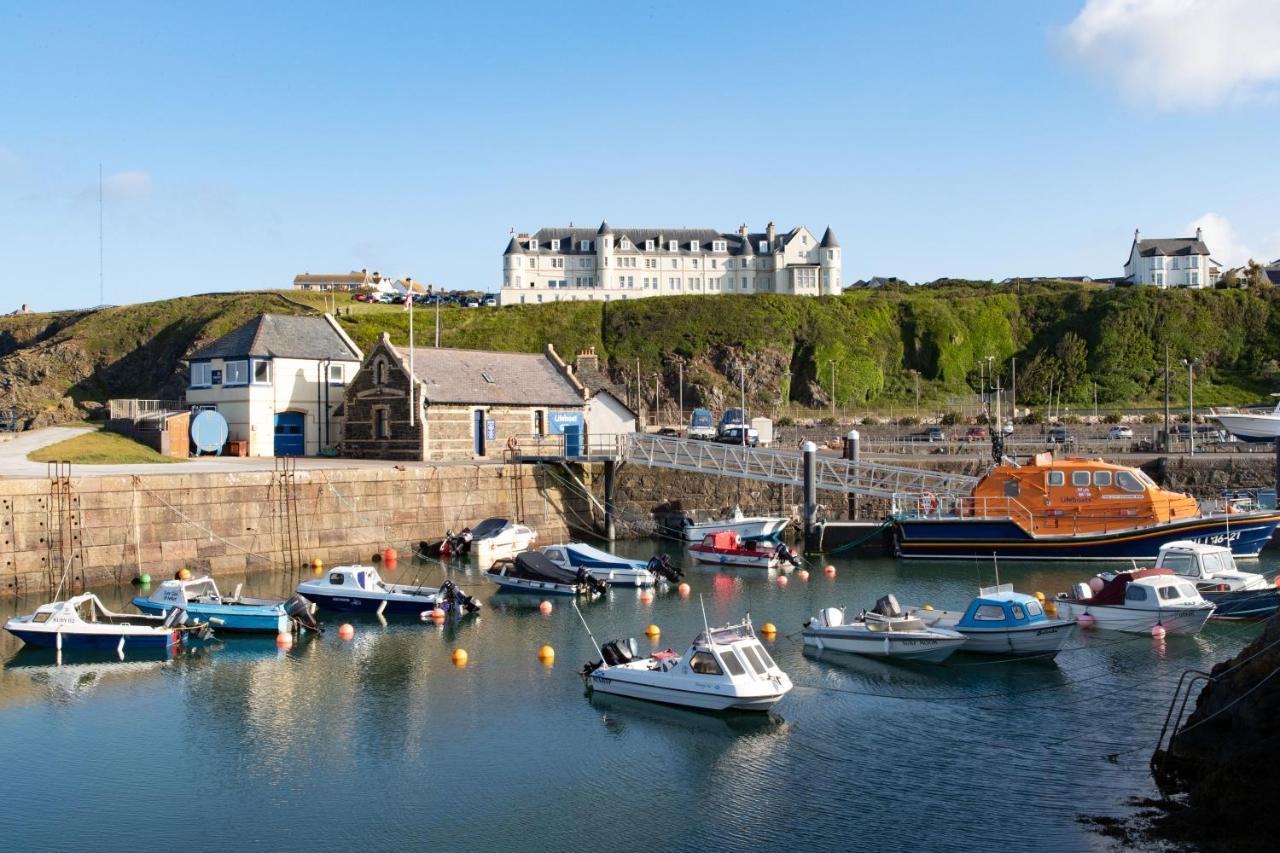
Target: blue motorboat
(360, 589)
(614, 570)
(82, 622)
(1237, 594)
(1003, 622)
(200, 598)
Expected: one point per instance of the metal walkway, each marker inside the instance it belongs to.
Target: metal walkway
(834, 474)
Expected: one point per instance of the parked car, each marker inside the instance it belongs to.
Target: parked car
(733, 435)
(1061, 436)
(490, 302)
(472, 303)
(936, 433)
(1120, 432)
(669, 432)
(928, 435)
(976, 434)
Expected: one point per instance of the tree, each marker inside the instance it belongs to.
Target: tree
(1255, 277)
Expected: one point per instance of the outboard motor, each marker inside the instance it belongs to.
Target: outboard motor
(618, 652)
(302, 612)
(455, 599)
(786, 554)
(887, 606)
(830, 617)
(593, 584)
(660, 565)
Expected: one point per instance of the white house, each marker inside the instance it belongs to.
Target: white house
(566, 264)
(607, 409)
(1171, 262)
(279, 381)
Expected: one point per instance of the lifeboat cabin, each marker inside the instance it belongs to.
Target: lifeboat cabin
(1070, 509)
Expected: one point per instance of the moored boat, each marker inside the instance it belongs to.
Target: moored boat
(532, 572)
(1068, 509)
(1000, 621)
(499, 538)
(1137, 602)
(886, 631)
(360, 589)
(724, 668)
(201, 599)
(614, 570)
(746, 526)
(82, 622)
(727, 548)
(1212, 568)
(1255, 425)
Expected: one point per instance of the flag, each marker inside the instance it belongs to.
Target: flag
(408, 297)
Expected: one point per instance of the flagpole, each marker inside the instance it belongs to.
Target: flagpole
(412, 375)
(437, 321)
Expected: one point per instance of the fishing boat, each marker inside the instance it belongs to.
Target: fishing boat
(746, 526)
(360, 589)
(201, 599)
(885, 631)
(728, 548)
(1000, 621)
(725, 668)
(82, 622)
(1255, 425)
(1137, 602)
(1212, 568)
(499, 538)
(533, 572)
(1068, 509)
(614, 570)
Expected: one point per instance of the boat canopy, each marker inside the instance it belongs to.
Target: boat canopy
(359, 577)
(1001, 607)
(489, 527)
(1195, 559)
(1113, 588)
(180, 592)
(533, 564)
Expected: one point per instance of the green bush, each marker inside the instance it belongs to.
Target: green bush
(951, 419)
(1033, 417)
(908, 420)
(870, 421)
(1112, 418)
(828, 421)
(785, 421)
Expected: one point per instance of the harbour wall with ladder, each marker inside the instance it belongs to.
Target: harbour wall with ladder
(109, 529)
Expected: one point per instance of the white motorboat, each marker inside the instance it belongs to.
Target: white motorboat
(614, 570)
(747, 527)
(725, 669)
(1250, 425)
(82, 622)
(1212, 568)
(534, 573)
(1137, 602)
(499, 539)
(360, 589)
(884, 632)
(1003, 622)
(727, 548)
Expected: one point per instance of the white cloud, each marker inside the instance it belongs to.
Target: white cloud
(1223, 242)
(1175, 53)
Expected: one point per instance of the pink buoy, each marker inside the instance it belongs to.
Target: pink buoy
(1158, 631)
(1096, 584)
(545, 608)
(437, 615)
(284, 640)
(684, 590)
(646, 596)
(831, 571)
(782, 580)
(1085, 620)
(345, 631)
(803, 574)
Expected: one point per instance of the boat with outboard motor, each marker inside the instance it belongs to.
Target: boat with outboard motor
(499, 538)
(533, 572)
(885, 631)
(1069, 509)
(1137, 602)
(614, 570)
(201, 599)
(360, 589)
(83, 622)
(1212, 568)
(746, 526)
(1003, 622)
(728, 548)
(723, 669)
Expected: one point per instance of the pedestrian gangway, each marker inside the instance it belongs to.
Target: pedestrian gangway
(832, 473)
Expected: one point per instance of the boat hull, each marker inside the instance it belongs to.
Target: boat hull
(226, 617)
(883, 644)
(1188, 620)
(350, 603)
(94, 640)
(1253, 428)
(1244, 604)
(712, 699)
(747, 528)
(1030, 641)
(712, 557)
(969, 538)
(534, 586)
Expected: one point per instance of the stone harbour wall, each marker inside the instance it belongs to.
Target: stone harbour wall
(108, 529)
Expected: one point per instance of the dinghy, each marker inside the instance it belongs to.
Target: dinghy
(1137, 602)
(614, 570)
(1003, 622)
(360, 589)
(201, 599)
(885, 631)
(533, 572)
(82, 622)
(1212, 568)
(725, 668)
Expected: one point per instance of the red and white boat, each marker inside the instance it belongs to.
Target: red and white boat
(727, 548)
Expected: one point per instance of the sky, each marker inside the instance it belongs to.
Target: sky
(244, 143)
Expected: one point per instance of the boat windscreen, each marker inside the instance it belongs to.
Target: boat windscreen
(753, 657)
(488, 527)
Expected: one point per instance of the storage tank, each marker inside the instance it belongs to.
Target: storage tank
(208, 432)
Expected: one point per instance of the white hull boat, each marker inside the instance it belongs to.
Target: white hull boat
(747, 527)
(1137, 602)
(724, 669)
(886, 632)
(727, 548)
(360, 589)
(499, 539)
(1250, 425)
(1003, 622)
(534, 573)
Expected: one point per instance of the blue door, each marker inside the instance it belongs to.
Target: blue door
(572, 439)
(291, 434)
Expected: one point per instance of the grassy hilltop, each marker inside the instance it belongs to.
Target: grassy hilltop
(55, 366)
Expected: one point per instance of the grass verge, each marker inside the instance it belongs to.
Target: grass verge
(98, 448)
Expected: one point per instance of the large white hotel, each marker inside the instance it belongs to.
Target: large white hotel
(562, 264)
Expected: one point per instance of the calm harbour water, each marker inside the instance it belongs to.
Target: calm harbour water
(380, 743)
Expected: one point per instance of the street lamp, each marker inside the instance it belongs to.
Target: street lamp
(742, 380)
(991, 378)
(1191, 409)
(832, 362)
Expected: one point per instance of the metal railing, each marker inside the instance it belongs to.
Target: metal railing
(929, 505)
(145, 414)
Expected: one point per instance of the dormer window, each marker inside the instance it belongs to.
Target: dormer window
(625, 244)
(673, 246)
(764, 246)
(719, 246)
(693, 245)
(648, 245)
(533, 245)
(584, 245)
(555, 245)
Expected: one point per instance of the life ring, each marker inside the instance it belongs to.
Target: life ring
(513, 443)
(928, 503)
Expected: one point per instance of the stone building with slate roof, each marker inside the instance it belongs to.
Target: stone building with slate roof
(469, 403)
(566, 264)
(1171, 262)
(607, 409)
(279, 381)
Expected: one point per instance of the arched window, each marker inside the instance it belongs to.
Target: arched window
(380, 372)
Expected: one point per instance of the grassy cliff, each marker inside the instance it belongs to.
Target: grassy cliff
(1065, 336)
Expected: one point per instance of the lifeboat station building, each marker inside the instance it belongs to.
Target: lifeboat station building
(467, 404)
(279, 382)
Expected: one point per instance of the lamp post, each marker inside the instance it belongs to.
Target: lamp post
(680, 368)
(1191, 409)
(991, 377)
(832, 363)
(742, 381)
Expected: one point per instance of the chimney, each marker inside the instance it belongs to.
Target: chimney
(1137, 235)
(742, 231)
(1199, 234)
(771, 234)
(587, 358)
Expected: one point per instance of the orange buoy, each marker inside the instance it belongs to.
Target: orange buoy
(437, 615)
(782, 580)
(653, 631)
(284, 640)
(803, 574)
(684, 590)
(545, 607)
(184, 574)
(831, 571)
(345, 631)
(547, 655)
(646, 596)
(459, 657)
(768, 629)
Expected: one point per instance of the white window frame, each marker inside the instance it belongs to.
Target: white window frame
(764, 246)
(693, 245)
(201, 374)
(254, 371)
(673, 246)
(240, 366)
(555, 245)
(584, 245)
(533, 244)
(342, 378)
(648, 245)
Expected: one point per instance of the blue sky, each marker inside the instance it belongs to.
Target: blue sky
(245, 143)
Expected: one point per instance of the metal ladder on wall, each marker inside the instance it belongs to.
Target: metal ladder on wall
(284, 501)
(1187, 683)
(62, 526)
